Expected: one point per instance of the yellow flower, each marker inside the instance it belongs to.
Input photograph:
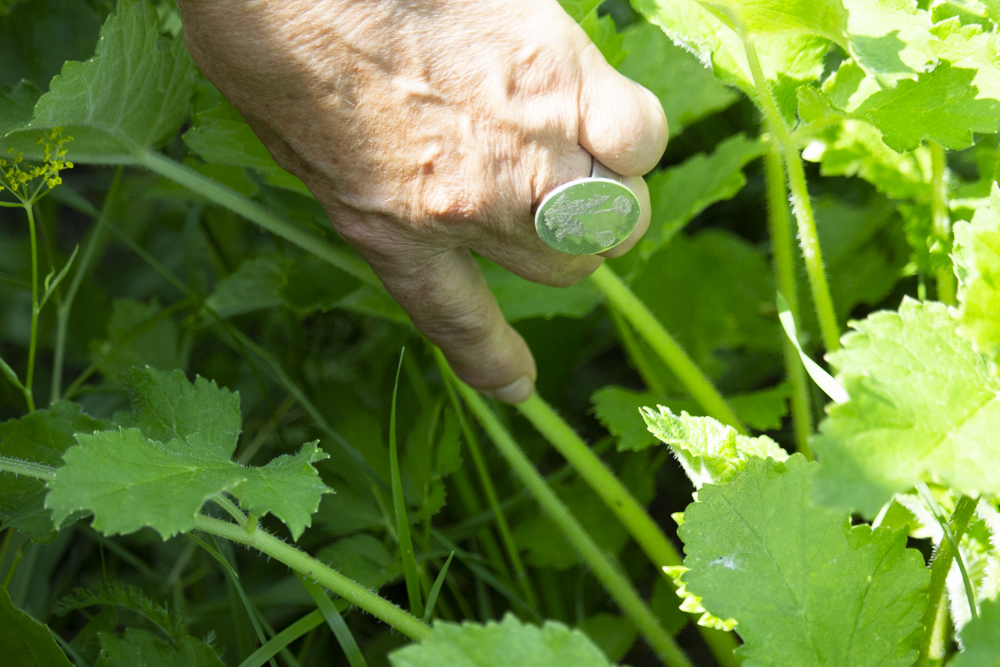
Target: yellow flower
(19, 181)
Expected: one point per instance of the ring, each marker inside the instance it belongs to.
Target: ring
(588, 215)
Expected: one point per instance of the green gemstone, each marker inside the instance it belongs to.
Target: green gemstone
(587, 216)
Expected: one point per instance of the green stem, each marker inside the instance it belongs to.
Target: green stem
(407, 553)
(237, 203)
(697, 384)
(232, 510)
(618, 586)
(82, 266)
(808, 237)
(27, 468)
(309, 567)
(616, 497)
(520, 572)
(946, 287)
(33, 343)
(960, 518)
(784, 271)
(636, 355)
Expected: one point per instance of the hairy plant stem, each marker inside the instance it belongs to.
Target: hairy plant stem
(237, 203)
(27, 468)
(944, 275)
(617, 585)
(808, 237)
(313, 569)
(960, 518)
(520, 572)
(619, 500)
(82, 267)
(636, 355)
(33, 343)
(784, 271)
(696, 383)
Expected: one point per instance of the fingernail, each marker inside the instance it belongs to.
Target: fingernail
(517, 391)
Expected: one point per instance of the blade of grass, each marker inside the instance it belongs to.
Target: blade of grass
(336, 622)
(823, 380)
(234, 581)
(283, 639)
(399, 509)
(436, 589)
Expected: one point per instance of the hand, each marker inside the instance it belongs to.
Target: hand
(427, 128)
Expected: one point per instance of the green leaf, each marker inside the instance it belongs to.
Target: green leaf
(923, 405)
(176, 456)
(977, 264)
(363, 558)
(24, 642)
(126, 596)
(42, 436)
(16, 105)
(680, 193)
(719, 268)
(520, 299)
(132, 95)
(139, 334)
(855, 148)
(221, 136)
(128, 482)
(256, 284)
(687, 91)
(166, 406)
(980, 638)
(509, 643)
(804, 586)
(787, 59)
(710, 452)
(139, 647)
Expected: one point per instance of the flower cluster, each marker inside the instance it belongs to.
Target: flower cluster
(21, 181)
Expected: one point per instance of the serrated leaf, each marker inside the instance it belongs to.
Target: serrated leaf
(787, 59)
(600, 29)
(140, 647)
(166, 406)
(923, 405)
(680, 193)
(42, 436)
(221, 136)
(980, 638)
(804, 586)
(24, 642)
(709, 451)
(687, 91)
(16, 105)
(129, 482)
(977, 264)
(509, 643)
(132, 95)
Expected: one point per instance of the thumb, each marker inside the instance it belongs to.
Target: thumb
(622, 124)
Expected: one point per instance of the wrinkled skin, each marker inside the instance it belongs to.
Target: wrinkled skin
(427, 128)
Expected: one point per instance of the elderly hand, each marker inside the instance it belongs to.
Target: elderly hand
(427, 128)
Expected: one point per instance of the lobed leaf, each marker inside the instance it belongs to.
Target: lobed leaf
(509, 643)
(709, 451)
(977, 264)
(133, 94)
(804, 586)
(923, 405)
